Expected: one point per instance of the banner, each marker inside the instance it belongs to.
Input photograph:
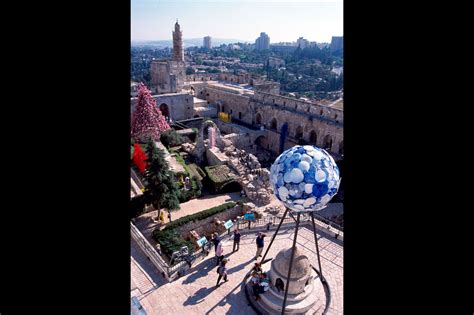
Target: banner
(249, 216)
(202, 241)
(228, 224)
(225, 117)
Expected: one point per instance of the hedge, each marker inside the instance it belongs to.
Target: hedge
(169, 238)
(200, 215)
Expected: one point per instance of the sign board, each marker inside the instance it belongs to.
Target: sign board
(249, 216)
(202, 241)
(228, 224)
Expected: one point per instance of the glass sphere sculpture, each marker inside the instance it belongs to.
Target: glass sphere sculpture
(305, 178)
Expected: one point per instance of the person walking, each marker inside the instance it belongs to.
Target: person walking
(215, 240)
(222, 272)
(219, 253)
(236, 240)
(260, 245)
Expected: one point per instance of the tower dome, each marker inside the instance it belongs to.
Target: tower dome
(301, 266)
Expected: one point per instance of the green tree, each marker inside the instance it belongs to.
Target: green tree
(161, 189)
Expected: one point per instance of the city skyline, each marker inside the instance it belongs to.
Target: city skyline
(282, 21)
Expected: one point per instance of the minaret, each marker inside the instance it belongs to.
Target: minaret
(178, 53)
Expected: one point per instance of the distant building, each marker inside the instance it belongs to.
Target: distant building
(322, 45)
(275, 62)
(263, 42)
(207, 42)
(302, 43)
(337, 43)
(283, 47)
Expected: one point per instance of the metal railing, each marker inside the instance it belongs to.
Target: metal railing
(174, 271)
(320, 221)
(149, 251)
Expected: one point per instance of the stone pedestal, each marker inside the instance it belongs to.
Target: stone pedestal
(304, 294)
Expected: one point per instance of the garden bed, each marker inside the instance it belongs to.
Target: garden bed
(170, 239)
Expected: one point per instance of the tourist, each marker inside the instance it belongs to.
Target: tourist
(169, 216)
(264, 283)
(257, 268)
(255, 282)
(236, 240)
(219, 253)
(260, 245)
(222, 272)
(215, 240)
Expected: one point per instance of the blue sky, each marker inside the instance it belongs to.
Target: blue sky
(244, 19)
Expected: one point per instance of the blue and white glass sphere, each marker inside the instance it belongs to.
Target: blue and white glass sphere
(305, 178)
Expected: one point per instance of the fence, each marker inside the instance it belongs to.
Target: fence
(332, 228)
(172, 272)
(149, 251)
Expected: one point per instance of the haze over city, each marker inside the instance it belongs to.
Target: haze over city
(243, 20)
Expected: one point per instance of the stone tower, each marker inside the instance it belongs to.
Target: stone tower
(178, 53)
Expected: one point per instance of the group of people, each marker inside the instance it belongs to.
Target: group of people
(221, 261)
(260, 281)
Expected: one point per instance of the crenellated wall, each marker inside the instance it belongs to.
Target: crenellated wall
(309, 122)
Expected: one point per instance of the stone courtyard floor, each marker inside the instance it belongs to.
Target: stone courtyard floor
(195, 292)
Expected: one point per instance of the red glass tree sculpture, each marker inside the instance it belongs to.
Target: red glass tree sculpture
(139, 158)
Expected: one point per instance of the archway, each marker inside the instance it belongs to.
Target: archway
(262, 142)
(299, 133)
(274, 124)
(341, 148)
(280, 285)
(203, 130)
(327, 143)
(258, 119)
(164, 109)
(232, 186)
(313, 137)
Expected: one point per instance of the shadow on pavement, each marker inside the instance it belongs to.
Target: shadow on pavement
(241, 266)
(200, 270)
(198, 296)
(237, 301)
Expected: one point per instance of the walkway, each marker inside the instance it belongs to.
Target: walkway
(195, 292)
(146, 225)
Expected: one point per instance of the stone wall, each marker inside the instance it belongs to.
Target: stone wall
(243, 78)
(215, 157)
(268, 87)
(167, 76)
(240, 140)
(201, 77)
(235, 104)
(180, 105)
(207, 226)
(314, 123)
